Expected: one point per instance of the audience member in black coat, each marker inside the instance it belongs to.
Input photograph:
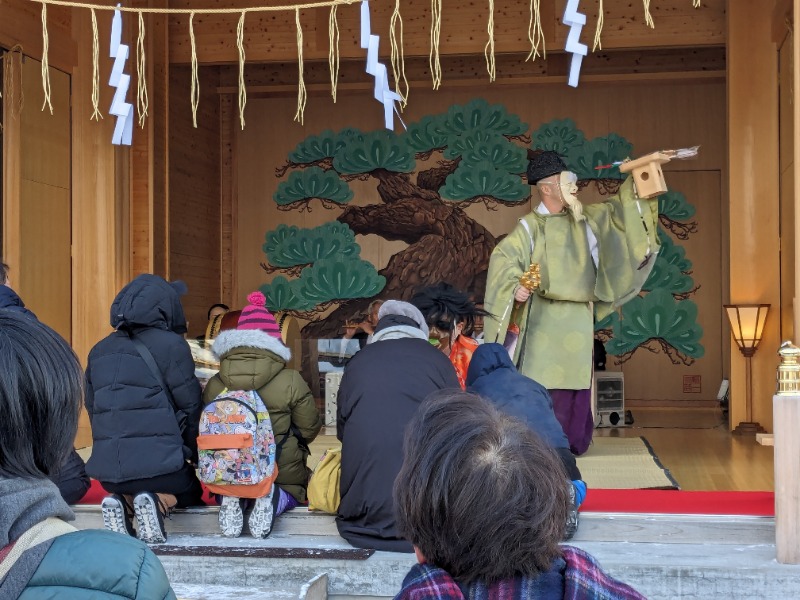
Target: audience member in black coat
(145, 437)
(71, 479)
(382, 387)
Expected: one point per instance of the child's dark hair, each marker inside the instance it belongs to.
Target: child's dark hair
(40, 397)
(444, 306)
(479, 494)
(3, 272)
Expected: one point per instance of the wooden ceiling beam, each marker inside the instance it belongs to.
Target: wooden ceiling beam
(511, 68)
(271, 37)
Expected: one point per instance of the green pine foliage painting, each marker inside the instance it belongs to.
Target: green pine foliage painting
(425, 177)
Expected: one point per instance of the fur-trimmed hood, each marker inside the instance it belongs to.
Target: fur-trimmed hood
(249, 359)
(232, 339)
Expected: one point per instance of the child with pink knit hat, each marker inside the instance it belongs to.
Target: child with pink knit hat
(253, 357)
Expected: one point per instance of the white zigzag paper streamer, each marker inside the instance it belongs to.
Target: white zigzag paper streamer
(123, 130)
(382, 92)
(576, 21)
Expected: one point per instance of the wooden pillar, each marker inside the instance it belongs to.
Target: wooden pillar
(149, 180)
(787, 479)
(754, 195)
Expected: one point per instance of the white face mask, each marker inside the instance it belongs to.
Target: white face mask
(568, 184)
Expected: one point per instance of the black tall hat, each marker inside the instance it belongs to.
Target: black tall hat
(543, 165)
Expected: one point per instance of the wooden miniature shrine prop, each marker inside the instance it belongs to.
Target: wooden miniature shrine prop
(647, 174)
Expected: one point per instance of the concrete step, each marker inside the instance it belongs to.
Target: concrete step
(663, 556)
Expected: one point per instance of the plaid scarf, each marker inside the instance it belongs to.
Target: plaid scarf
(577, 576)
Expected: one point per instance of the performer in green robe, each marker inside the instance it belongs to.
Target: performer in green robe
(592, 260)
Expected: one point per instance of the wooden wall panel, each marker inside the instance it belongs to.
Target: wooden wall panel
(194, 194)
(21, 23)
(652, 116)
(272, 37)
(42, 270)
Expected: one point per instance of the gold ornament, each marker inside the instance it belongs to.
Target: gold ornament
(531, 279)
(789, 370)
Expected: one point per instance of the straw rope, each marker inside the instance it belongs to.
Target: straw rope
(96, 114)
(204, 11)
(301, 86)
(696, 3)
(488, 50)
(333, 50)
(599, 30)
(242, 90)
(398, 55)
(142, 101)
(648, 18)
(535, 32)
(45, 62)
(436, 31)
(195, 89)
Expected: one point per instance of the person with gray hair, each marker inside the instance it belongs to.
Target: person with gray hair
(482, 499)
(41, 554)
(382, 388)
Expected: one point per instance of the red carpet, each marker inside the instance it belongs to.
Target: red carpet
(761, 504)
(96, 494)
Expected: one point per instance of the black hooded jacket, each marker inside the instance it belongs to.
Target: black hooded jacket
(137, 433)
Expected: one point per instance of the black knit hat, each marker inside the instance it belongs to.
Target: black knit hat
(543, 165)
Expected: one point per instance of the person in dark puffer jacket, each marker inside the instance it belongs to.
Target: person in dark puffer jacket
(8, 297)
(492, 375)
(253, 357)
(40, 398)
(145, 437)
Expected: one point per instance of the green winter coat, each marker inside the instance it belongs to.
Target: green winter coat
(254, 360)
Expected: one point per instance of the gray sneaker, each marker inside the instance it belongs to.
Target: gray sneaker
(572, 515)
(117, 515)
(149, 518)
(231, 519)
(263, 514)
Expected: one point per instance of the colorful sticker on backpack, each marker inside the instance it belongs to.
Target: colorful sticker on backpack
(236, 444)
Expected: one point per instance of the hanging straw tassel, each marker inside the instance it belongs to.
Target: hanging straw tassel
(599, 30)
(398, 55)
(436, 30)
(333, 50)
(142, 101)
(648, 18)
(488, 50)
(45, 62)
(535, 32)
(96, 114)
(195, 90)
(301, 86)
(696, 3)
(240, 46)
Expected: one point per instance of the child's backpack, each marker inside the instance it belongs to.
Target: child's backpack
(236, 445)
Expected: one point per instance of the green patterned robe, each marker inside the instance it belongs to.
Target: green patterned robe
(557, 323)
